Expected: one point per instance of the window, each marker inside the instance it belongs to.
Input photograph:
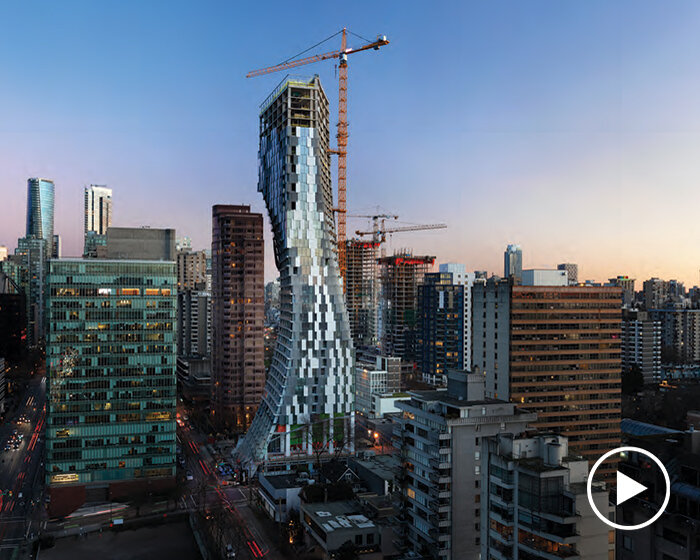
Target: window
(358, 539)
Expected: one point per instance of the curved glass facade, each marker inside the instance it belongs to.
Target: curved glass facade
(40, 206)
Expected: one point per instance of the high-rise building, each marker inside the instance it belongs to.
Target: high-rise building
(40, 211)
(31, 257)
(362, 291)
(554, 350)
(655, 293)
(3, 253)
(627, 285)
(98, 209)
(534, 502)
(194, 323)
(110, 357)
(400, 275)
(440, 342)
(191, 269)
(641, 344)
(238, 315)
(308, 397)
(680, 335)
(571, 272)
(513, 262)
(439, 439)
(466, 279)
(13, 315)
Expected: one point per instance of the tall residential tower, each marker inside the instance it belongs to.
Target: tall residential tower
(308, 398)
(98, 209)
(238, 315)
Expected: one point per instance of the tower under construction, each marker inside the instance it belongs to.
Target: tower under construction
(362, 291)
(307, 403)
(400, 275)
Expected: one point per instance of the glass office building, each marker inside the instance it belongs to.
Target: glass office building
(111, 357)
(40, 206)
(308, 396)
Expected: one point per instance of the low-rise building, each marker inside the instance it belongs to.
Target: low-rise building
(375, 375)
(279, 493)
(333, 524)
(534, 502)
(377, 473)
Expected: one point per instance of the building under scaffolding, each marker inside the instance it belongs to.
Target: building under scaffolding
(400, 275)
(362, 291)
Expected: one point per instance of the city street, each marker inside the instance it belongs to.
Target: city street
(249, 536)
(21, 469)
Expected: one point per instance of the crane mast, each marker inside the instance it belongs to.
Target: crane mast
(342, 137)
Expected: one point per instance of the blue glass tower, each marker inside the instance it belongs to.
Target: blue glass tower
(308, 398)
(40, 205)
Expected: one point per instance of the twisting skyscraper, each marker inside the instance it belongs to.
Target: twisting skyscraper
(308, 401)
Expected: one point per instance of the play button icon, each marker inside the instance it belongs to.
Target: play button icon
(627, 487)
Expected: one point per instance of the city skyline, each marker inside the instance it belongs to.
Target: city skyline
(578, 125)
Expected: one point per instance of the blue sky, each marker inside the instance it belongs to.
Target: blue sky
(572, 128)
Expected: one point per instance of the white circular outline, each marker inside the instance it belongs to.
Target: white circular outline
(604, 519)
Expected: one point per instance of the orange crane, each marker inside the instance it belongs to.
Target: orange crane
(342, 137)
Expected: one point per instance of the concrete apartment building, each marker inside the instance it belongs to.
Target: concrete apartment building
(641, 343)
(194, 329)
(556, 351)
(439, 439)
(534, 503)
(238, 315)
(191, 269)
(680, 334)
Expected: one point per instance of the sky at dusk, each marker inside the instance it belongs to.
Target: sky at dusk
(571, 128)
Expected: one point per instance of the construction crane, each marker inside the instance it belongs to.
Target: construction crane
(342, 137)
(379, 234)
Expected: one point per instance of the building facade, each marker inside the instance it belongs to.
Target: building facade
(534, 503)
(40, 211)
(401, 274)
(438, 439)
(98, 209)
(556, 351)
(3, 385)
(641, 344)
(381, 377)
(362, 291)
(191, 269)
(680, 335)
(110, 359)
(466, 279)
(194, 323)
(440, 343)
(513, 262)
(308, 395)
(571, 272)
(238, 315)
